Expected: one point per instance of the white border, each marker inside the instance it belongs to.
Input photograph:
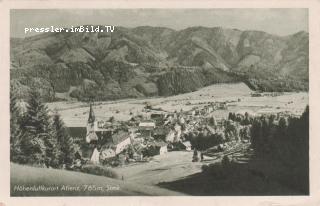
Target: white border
(314, 54)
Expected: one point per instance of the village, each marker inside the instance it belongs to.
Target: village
(201, 128)
(118, 143)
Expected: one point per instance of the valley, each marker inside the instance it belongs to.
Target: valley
(75, 114)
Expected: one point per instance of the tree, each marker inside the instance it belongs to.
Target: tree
(213, 121)
(111, 119)
(246, 120)
(231, 116)
(64, 141)
(284, 143)
(245, 133)
(256, 135)
(15, 134)
(38, 144)
(231, 132)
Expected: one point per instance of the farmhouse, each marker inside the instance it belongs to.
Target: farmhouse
(120, 141)
(113, 146)
(146, 128)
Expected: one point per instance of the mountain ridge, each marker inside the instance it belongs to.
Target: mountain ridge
(152, 61)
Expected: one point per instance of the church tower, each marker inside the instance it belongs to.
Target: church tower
(91, 126)
(92, 117)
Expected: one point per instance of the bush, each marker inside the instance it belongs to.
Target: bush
(99, 170)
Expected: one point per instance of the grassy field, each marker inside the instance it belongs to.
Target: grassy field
(76, 113)
(53, 182)
(167, 167)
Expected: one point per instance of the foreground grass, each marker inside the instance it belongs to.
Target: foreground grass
(68, 183)
(249, 179)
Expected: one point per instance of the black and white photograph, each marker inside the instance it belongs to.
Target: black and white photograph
(159, 102)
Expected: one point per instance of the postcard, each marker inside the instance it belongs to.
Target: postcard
(149, 103)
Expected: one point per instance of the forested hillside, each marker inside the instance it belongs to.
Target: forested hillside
(151, 61)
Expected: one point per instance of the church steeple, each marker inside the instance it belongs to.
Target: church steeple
(91, 118)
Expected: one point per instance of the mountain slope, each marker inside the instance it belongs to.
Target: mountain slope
(150, 61)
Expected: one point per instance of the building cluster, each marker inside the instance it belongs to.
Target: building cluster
(113, 142)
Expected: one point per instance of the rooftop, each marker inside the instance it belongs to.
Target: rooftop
(147, 124)
(120, 137)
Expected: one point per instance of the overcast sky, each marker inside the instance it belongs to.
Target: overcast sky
(275, 21)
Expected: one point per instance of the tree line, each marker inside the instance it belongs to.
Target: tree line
(36, 138)
(284, 141)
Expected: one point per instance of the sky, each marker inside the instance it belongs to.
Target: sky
(275, 21)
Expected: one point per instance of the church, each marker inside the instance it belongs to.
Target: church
(103, 136)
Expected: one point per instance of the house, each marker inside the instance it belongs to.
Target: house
(178, 131)
(147, 125)
(157, 115)
(182, 120)
(121, 140)
(107, 153)
(101, 134)
(162, 148)
(170, 136)
(95, 156)
(137, 156)
(146, 128)
(114, 145)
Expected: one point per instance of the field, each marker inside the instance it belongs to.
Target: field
(75, 114)
(68, 183)
(169, 167)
